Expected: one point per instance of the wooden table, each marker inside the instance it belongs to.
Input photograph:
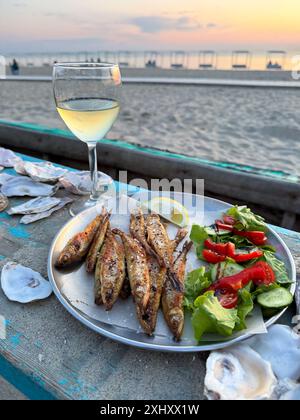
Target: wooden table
(47, 354)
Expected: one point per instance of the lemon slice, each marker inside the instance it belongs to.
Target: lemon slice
(169, 209)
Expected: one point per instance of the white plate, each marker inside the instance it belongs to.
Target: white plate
(74, 288)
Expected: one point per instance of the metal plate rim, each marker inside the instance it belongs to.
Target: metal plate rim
(158, 347)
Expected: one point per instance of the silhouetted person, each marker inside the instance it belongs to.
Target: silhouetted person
(14, 67)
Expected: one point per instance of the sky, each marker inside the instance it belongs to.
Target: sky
(78, 25)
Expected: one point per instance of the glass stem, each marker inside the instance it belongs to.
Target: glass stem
(95, 194)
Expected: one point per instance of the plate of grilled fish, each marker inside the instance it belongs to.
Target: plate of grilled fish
(121, 269)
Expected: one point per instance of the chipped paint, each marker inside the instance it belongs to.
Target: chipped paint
(19, 232)
(15, 340)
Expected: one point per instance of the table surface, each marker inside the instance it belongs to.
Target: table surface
(48, 354)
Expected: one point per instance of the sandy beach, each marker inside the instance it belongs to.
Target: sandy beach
(255, 126)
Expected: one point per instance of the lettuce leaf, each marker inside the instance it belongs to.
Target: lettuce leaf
(198, 235)
(245, 307)
(263, 289)
(196, 282)
(278, 268)
(210, 317)
(246, 219)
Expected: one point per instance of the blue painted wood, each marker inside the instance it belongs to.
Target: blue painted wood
(23, 383)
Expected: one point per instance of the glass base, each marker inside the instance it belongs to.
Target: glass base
(80, 206)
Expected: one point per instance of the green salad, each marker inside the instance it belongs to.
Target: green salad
(241, 270)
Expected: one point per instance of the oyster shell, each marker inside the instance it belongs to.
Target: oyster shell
(40, 171)
(80, 183)
(37, 205)
(293, 394)
(8, 158)
(31, 218)
(3, 202)
(284, 389)
(21, 284)
(23, 186)
(5, 177)
(281, 347)
(238, 373)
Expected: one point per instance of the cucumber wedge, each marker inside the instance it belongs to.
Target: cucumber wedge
(276, 298)
(225, 269)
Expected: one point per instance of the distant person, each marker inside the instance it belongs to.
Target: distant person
(14, 67)
(98, 60)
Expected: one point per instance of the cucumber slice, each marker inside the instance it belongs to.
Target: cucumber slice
(225, 269)
(276, 298)
(212, 232)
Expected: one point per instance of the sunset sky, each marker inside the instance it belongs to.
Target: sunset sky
(74, 25)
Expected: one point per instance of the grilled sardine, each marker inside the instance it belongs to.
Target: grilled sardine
(77, 247)
(137, 268)
(172, 299)
(158, 238)
(137, 229)
(97, 242)
(148, 316)
(110, 272)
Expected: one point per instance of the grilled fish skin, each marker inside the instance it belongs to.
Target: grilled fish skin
(172, 299)
(148, 317)
(110, 271)
(158, 238)
(180, 235)
(77, 247)
(97, 242)
(137, 229)
(137, 269)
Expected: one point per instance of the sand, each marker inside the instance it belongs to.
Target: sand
(255, 126)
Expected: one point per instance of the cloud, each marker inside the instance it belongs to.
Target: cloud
(56, 14)
(155, 24)
(19, 4)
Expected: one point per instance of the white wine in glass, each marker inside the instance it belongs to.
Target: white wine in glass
(87, 99)
(89, 119)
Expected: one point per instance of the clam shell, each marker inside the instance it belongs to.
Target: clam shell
(80, 183)
(24, 186)
(31, 218)
(8, 158)
(40, 171)
(281, 347)
(37, 205)
(238, 373)
(3, 202)
(21, 284)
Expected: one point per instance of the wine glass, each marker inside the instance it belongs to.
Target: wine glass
(87, 97)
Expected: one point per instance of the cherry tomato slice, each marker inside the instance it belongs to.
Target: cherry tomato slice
(227, 249)
(212, 257)
(227, 298)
